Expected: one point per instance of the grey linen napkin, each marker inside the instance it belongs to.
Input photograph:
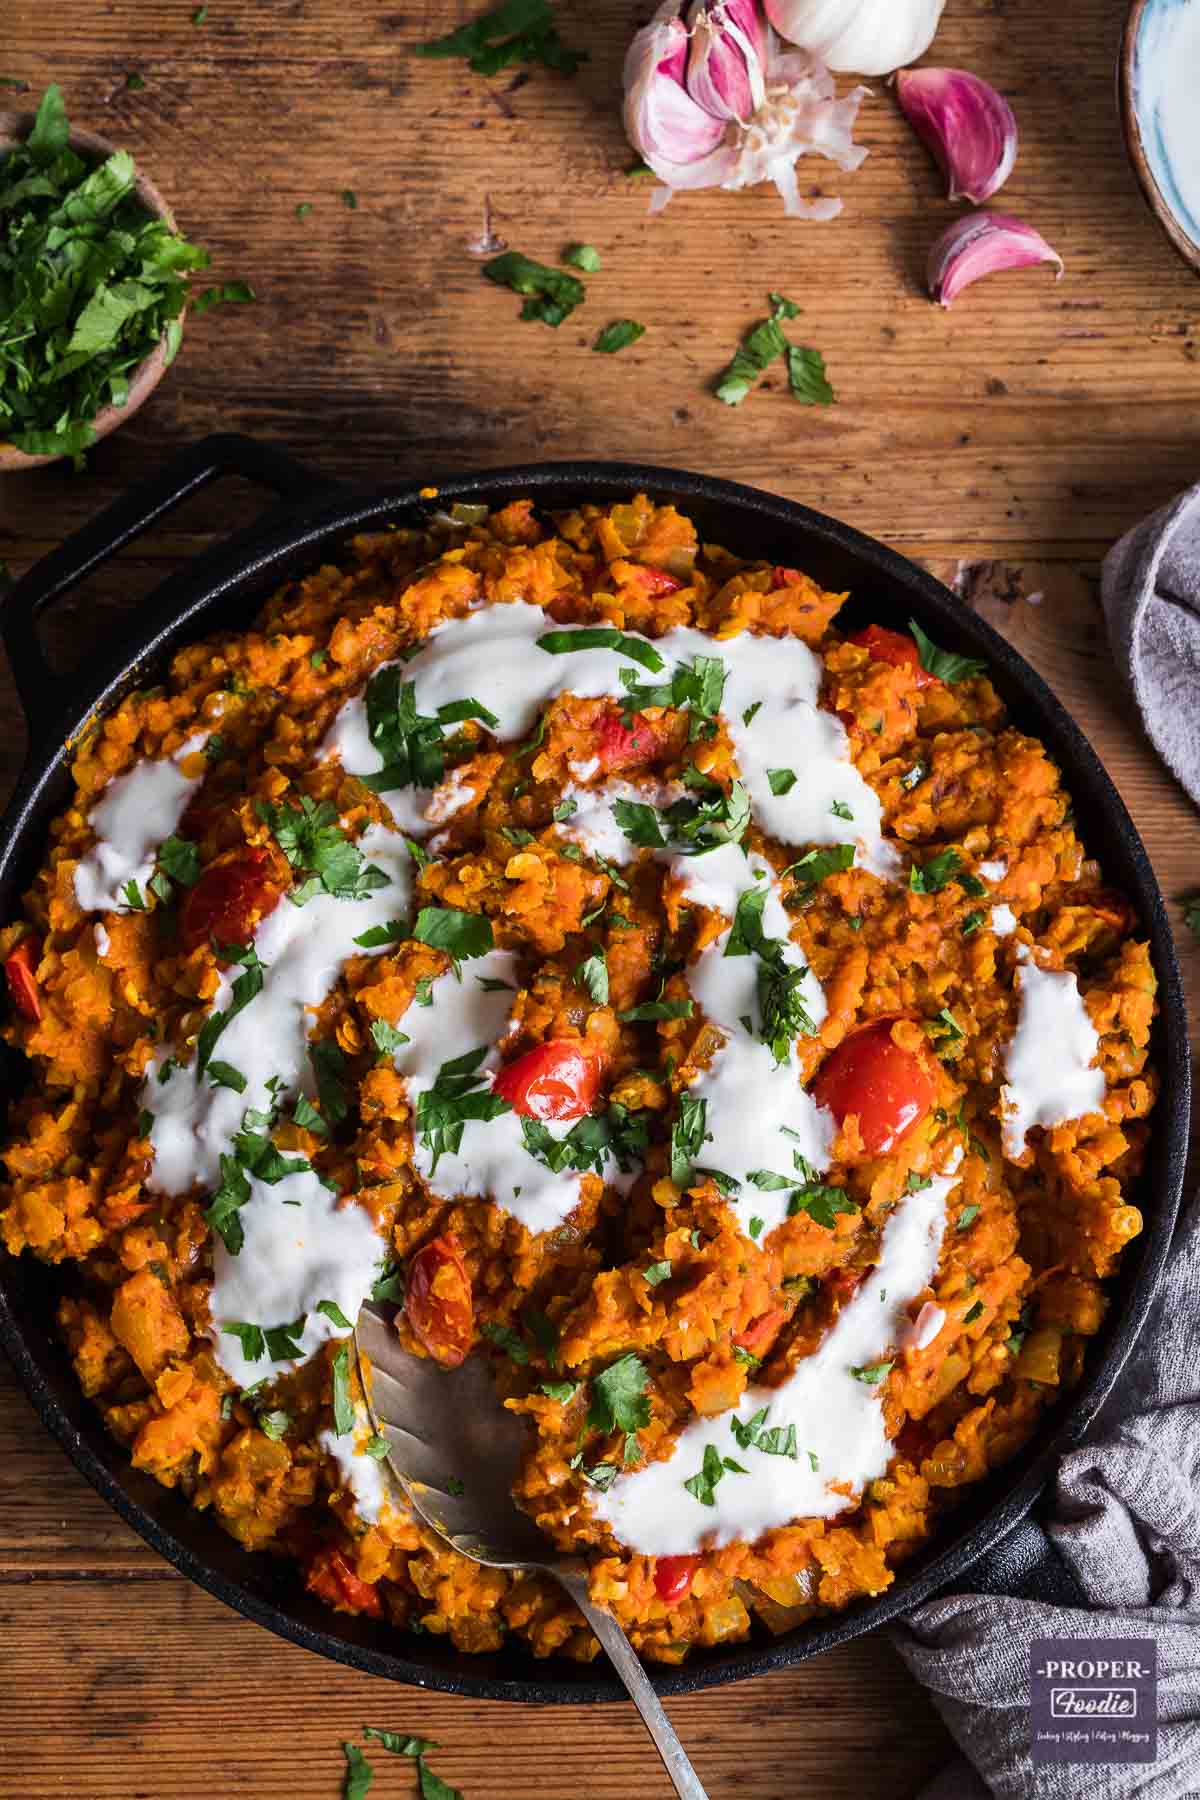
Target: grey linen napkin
(1124, 1515)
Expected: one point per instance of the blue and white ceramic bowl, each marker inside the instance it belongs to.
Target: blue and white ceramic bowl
(1160, 109)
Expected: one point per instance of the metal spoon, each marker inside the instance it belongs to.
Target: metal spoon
(455, 1451)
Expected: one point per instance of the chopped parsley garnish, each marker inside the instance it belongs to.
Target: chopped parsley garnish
(697, 686)
(656, 1009)
(359, 1773)
(180, 859)
(562, 1391)
(376, 1447)
(582, 256)
(947, 665)
(461, 935)
(1021, 1329)
(601, 1475)
(328, 1066)
(306, 1116)
(746, 1357)
(931, 877)
(807, 379)
(279, 1342)
(640, 823)
(566, 809)
(603, 637)
(228, 293)
(400, 1743)
(519, 31)
(223, 1074)
(458, 1094)
(945, 1028)
(92, 283)
(755, 1227)
(971, 923)
(688, 1134)
(713, 1469)
(872, 1373)
(592, 974)
(349, 199)
(753, 1434)
(657, 1273)
(551, 295)
(319, 850)
(840, 810)
(246, 986)
(394, 932)
(508, 1340)
(389, 1285)
(976, 1311)
(491, 985)
(750, 711)
(133, 896)
(807, 1193)
(333, 1312)
(618, 336)
(782, 308)
(966, 1217)
(781, 1005)
(619, 1398)
(916, 1184)
(590, 1141)
(819, 863)
(274, 1424)
(386, 1039)
(343, 1405)
(411, 745)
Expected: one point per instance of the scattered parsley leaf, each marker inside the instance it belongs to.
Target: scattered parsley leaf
(840, 810)
(552, 296)
(562, 1391)
(618, 336)
(508, 1340)
(817, 864)
(932, 876)
(386, 1039)
(333, 1311)
(359, 1773)
(781, 781)
(582, 256)
(461, 935)
(593, 975)
(807, 379)
(350, 199)
(872, 1373)
(394, 932)
(459, 1093)
(181, 860)
(656, 1273)
(603, 637)
(619, 1398)
(966, 1217)
(687, 1136)
(343, 1405)
(519, 31)
(400, 1743)
(656, 1009)
(237, 293)
(223, 1074)
(274, 1425)
(947, 665)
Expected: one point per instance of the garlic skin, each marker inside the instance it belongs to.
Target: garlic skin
(969, 127)
(872, 37)
(980, 244)
(718, 102)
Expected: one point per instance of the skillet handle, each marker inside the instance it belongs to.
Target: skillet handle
(224, 453)
(1025, 1566)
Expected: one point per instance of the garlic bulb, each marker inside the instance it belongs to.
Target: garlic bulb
(979, 244)
(718, 102)
(969, 127)
(872, 37)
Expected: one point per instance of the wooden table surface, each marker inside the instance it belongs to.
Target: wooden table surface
(1005, 443)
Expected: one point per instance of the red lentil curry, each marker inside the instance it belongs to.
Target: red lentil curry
(653, 1304)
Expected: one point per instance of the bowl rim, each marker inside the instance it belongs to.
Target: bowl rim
(301, 532)
(15, 127)
(1186, 245)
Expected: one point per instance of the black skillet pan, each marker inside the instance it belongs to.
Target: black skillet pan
(989, 1543)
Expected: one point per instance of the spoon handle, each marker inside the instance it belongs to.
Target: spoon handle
(628, 1666)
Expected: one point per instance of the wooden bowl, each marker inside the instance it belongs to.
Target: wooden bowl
(14, 129)
(1146, 150)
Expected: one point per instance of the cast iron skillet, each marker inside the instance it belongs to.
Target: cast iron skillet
(223, 588)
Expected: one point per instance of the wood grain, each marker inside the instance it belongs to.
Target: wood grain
(1005, 442)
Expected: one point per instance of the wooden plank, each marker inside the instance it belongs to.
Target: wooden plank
(162, 1694)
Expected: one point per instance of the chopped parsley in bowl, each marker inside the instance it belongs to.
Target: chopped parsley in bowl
(93, 286)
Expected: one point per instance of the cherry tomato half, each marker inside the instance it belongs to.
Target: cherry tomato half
(759, 1333)
(437, 1301)
(331, 1579)
(673, 1577)
(229, 900)
(557, 1080)
(621, 746)
(895, 647)
(886, 1086)
(660, 581)
(19, 968)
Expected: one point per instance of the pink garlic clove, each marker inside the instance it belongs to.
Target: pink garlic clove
(969, 127)
(979, 244)
(662, 121)
(725, 65)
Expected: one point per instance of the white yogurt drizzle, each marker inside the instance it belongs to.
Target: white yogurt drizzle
(837, 1415)
(302, 1245)
(364, 1476)
(137, 811)
(1049, 1060)
(1004, 920)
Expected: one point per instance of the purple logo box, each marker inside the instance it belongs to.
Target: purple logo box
(1093, 1700)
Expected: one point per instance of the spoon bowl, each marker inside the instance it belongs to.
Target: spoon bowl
(455, 1452)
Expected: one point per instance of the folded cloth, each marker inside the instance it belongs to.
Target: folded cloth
(1124, 1515)
(1151, 595)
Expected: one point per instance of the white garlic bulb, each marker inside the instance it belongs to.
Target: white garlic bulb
(872, 37)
